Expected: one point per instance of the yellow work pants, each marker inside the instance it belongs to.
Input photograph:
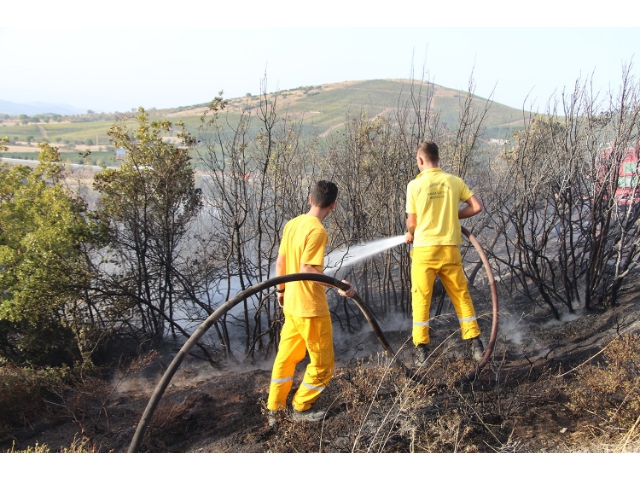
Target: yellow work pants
(446, 262)
(300, 335)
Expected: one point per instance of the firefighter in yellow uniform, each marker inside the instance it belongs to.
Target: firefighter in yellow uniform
(307, 326)
(433, 227)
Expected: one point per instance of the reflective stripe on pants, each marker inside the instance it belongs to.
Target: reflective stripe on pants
(444, 261)
(300, 335)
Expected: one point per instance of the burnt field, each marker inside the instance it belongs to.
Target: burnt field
(550, 386)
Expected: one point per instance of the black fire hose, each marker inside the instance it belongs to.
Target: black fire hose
(229, 304)
(494, 302)
(224, 308)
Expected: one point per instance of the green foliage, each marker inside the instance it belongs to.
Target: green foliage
(154, 174)
(148, 204)
(42, 269)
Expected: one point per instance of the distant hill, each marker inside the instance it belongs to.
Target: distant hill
(323, 109)
(37, 108)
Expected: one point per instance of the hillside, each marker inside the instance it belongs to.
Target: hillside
(323, 108)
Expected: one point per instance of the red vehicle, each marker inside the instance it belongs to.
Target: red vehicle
(628, 190)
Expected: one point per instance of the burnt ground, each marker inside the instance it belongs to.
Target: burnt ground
(517, 403)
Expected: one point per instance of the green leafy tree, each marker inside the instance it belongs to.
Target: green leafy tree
(43, 273)
(148, 204)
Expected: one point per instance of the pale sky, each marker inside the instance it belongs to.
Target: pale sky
(167, 54)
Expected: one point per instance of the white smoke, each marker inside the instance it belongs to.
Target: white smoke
(512, 329)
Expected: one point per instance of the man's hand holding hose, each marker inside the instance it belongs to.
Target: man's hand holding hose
(347, 293)
(280, 298)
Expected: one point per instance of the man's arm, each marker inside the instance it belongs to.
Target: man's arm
(411, 227)
(473, 207)
(306, 268)
(281, 268)
(281, 263)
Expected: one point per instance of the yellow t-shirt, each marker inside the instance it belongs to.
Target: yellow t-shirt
(303, 241)
(434, 196)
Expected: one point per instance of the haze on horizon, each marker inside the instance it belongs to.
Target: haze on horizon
(121, 68)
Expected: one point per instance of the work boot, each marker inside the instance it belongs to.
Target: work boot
(310, 415)
(420, 355)
(477, 349)
(272, 418)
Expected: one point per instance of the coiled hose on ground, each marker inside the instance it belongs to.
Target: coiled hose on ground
(224, 308)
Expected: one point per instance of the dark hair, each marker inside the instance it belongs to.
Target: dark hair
(430, 150)
(324, 193)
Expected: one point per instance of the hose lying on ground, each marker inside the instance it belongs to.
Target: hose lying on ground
(228, 305)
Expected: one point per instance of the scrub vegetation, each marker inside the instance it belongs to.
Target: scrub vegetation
(100, 286)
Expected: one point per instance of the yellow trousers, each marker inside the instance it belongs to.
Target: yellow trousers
(300, 335)
(446, 262)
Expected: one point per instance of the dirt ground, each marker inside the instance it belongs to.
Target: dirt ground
(205, 410)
